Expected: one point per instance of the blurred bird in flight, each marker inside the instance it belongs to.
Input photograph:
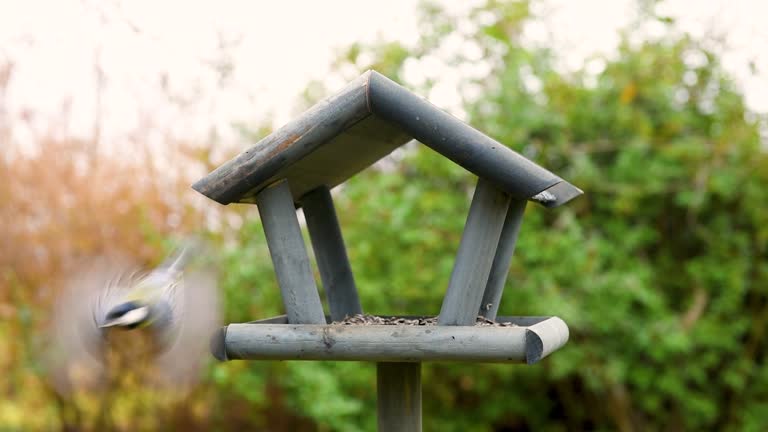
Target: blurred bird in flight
(114, 322)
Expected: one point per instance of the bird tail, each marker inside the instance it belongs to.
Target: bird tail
(177, 261)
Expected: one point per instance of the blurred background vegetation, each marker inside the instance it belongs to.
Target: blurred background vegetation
(660, 269)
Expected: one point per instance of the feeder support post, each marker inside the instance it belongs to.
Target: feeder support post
(475, 256)
(289, 255)
(489, 307)
(330, 253)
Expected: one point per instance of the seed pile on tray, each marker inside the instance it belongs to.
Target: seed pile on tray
(377, 320)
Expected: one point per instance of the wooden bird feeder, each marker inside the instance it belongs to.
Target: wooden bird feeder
(300, 163)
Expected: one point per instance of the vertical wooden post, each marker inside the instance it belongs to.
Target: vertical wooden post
(398, 386)
(331, 255)
(289, 255)
(489, 307)
(475, 256)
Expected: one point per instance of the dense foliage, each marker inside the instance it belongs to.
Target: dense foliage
(660, 268)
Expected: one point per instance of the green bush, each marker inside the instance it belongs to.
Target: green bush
(659, 269)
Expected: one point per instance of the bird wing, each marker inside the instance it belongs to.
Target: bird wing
(76, 358)
(75, 349)
(196, 317)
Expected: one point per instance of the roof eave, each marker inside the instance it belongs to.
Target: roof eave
(465, 145)
(374, 94)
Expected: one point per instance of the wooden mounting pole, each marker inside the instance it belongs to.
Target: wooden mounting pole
(399, 396)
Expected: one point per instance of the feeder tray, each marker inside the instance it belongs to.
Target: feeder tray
(526, 340)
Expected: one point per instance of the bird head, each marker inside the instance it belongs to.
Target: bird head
(128, 315)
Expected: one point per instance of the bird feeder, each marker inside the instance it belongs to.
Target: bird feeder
(298, 165)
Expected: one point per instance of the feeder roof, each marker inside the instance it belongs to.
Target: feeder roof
(351, 130)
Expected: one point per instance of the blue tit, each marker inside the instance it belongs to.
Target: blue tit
(144, 300)
(113, 318)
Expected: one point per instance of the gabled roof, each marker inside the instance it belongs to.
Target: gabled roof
(367, 120)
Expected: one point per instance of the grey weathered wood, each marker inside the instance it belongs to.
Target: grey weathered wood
(489, 307)
(338, 159)
(323, 146)
(331, 255)
(545, 337)
(398, 387)
(475, 256)
(362, 123)
(260, 165)
(465, 145)
(289, 255)
(385, 343)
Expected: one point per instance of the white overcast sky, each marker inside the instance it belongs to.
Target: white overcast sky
(275, 48)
